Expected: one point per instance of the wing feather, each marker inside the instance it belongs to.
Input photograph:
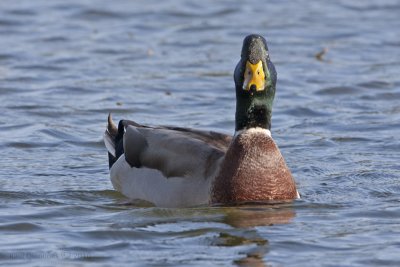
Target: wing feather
(176, 153)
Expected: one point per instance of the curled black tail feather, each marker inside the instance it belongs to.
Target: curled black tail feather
(119, 139)
(114, 141)
(114, 138)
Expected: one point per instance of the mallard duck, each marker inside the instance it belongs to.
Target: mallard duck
(181, 167)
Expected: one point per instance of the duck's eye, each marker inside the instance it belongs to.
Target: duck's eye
(258, 72)
(249, 72)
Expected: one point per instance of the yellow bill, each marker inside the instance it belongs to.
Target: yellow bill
(254, 76)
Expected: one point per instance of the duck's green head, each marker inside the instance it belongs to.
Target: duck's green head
(255, 80)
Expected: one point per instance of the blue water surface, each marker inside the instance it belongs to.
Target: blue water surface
(64, 65)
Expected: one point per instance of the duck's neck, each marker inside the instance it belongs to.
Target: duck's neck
(253, 111)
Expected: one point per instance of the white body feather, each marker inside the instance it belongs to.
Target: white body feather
(151, 185)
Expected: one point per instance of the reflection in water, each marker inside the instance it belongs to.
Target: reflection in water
(252, 216)
(254, 256)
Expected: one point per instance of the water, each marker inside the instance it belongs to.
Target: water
(65, 64)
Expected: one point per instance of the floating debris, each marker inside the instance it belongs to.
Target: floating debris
(320, 55)
(150, 52)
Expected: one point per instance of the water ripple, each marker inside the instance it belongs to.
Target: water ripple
(19, 227)
(99, 14)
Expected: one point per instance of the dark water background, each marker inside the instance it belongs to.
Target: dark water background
(65, 64)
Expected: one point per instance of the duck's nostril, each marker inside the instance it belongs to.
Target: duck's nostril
(253, 87)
